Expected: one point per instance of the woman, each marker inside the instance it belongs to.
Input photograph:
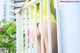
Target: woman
(45, 26)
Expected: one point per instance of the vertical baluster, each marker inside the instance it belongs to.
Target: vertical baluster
(42, 34)
(58, 27)
(26, 31)
(29, 34)
(49, 27)
(19, 33)
(35, 31)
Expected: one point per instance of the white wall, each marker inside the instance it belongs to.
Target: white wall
(70, 26)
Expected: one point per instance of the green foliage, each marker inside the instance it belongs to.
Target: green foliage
(7, 37)
(2, 38)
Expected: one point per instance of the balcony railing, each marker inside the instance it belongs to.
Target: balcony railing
(68, 27)
(20, 31)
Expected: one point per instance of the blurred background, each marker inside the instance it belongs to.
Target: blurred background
(8, 9)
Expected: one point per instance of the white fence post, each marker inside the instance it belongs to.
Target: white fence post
(58, 26)
(25, 16)
(42, 34)
(19, 33)
(35, 31)
(30, 41)
(49, 27)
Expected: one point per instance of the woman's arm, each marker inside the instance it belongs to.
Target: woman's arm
(22, 6)
(21, 9)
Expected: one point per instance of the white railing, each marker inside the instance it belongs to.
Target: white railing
(24, 29)
(68, 28)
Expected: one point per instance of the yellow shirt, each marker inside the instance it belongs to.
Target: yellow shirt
(44, 6)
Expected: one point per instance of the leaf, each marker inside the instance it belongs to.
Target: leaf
(1, 44)
(2, 39)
